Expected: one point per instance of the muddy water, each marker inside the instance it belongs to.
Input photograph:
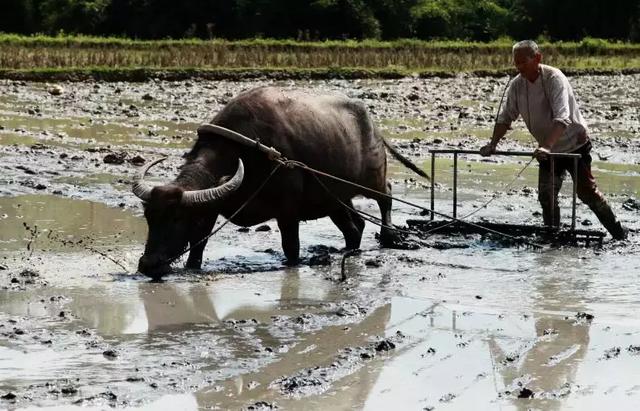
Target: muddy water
(465, 324)
(57, 219)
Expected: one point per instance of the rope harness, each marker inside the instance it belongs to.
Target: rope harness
(282, 161)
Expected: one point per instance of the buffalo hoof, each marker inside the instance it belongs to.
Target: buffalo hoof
(292, 262)
(389, 239)
(193, 265)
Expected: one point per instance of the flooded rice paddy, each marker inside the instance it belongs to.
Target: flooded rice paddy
(460, 323)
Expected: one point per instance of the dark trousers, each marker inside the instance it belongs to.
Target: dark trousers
(550, 182)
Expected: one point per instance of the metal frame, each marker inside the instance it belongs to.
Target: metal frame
(573, 232)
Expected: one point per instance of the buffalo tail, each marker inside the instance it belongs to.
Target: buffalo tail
(405, 161)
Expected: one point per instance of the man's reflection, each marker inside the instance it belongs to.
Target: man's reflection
(561, 341)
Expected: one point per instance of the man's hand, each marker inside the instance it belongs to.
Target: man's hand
(487, 150)
(541, 153)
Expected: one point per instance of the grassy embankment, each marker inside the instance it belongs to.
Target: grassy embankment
(66, 57)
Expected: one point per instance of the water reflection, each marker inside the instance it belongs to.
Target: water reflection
(548, 363)
(65, 219)
(169, 308)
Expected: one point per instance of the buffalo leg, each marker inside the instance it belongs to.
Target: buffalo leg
(289, 233)
(197, 243)
(351, 225)
(387, 237)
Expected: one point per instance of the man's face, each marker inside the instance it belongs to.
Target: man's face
(527, 65)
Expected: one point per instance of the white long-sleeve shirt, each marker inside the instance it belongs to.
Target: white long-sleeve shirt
(546, 101)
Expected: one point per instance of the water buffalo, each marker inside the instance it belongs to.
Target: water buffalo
(331, 133)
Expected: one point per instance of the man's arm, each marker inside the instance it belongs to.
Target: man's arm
(498, 132)
(542, 152)
(507, 115)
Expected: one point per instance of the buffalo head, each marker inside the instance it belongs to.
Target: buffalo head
(178, 218)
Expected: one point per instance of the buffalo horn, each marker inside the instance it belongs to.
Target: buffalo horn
(215, 193)
(141, 189)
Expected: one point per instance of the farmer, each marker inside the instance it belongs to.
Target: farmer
(544, 98)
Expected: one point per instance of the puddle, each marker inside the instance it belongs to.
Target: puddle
(58, 219)
(81, 133)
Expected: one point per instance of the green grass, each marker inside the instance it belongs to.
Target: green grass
(119, 58)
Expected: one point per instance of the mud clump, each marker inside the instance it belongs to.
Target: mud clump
(27, 273)
(350, 309)
(385, 345)
(261, 406)
(26, 170)
(84, 333)
(134, 379)
(631, 204)
(110, 354)
(115, 158)
(526, 393)
(303, 319)
(294, 384)
(447, 398)
(634, 349)
(137, 160)
(322, 255)
(313, 381)
(400, 242)
(611, 353)
(69, 390)
(24, 278)
(582, 318)
(510, 359)
(108, 396)
(320, 260)
(322, 249)
(448, 245)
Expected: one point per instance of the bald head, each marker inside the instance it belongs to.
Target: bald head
(527, 48)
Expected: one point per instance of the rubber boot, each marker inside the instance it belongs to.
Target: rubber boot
(603, 211)
(551, 218)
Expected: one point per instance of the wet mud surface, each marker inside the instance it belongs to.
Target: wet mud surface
(461, 322)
